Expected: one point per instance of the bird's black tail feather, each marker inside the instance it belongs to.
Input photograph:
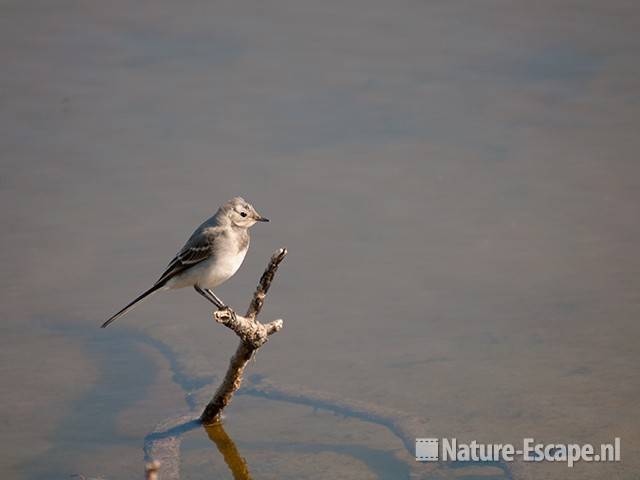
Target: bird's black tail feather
(144, 295)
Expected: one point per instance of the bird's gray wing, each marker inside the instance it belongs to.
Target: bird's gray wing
(197, 249)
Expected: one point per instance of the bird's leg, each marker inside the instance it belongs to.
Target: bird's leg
(222, 305)
(215, 300)
(215, 297)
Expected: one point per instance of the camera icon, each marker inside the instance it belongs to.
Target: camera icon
(427, 449)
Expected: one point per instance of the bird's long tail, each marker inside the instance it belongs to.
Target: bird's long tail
(142, 296)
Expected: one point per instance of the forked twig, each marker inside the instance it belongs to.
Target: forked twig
(253, 335)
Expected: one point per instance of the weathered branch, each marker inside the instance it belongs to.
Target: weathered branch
(253, 335)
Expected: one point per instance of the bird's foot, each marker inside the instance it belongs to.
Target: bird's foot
(227, 308)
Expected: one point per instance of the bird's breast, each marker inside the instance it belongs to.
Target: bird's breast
(233, 262)
(222, 268)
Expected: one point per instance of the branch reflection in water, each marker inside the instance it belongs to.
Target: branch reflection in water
(229, 451)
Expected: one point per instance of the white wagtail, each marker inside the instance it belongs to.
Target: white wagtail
(211, 256)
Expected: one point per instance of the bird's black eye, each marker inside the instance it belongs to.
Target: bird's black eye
(243, 214)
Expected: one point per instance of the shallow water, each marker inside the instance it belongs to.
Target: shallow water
(457, 184)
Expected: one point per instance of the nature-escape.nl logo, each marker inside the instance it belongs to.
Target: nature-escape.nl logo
(432, 450)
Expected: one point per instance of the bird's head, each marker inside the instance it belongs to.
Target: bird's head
(241, 213)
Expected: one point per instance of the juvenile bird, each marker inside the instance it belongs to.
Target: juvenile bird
(211, 256)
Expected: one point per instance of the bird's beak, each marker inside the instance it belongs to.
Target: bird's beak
(260, 218)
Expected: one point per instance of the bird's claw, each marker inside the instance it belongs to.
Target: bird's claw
(227, 308)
